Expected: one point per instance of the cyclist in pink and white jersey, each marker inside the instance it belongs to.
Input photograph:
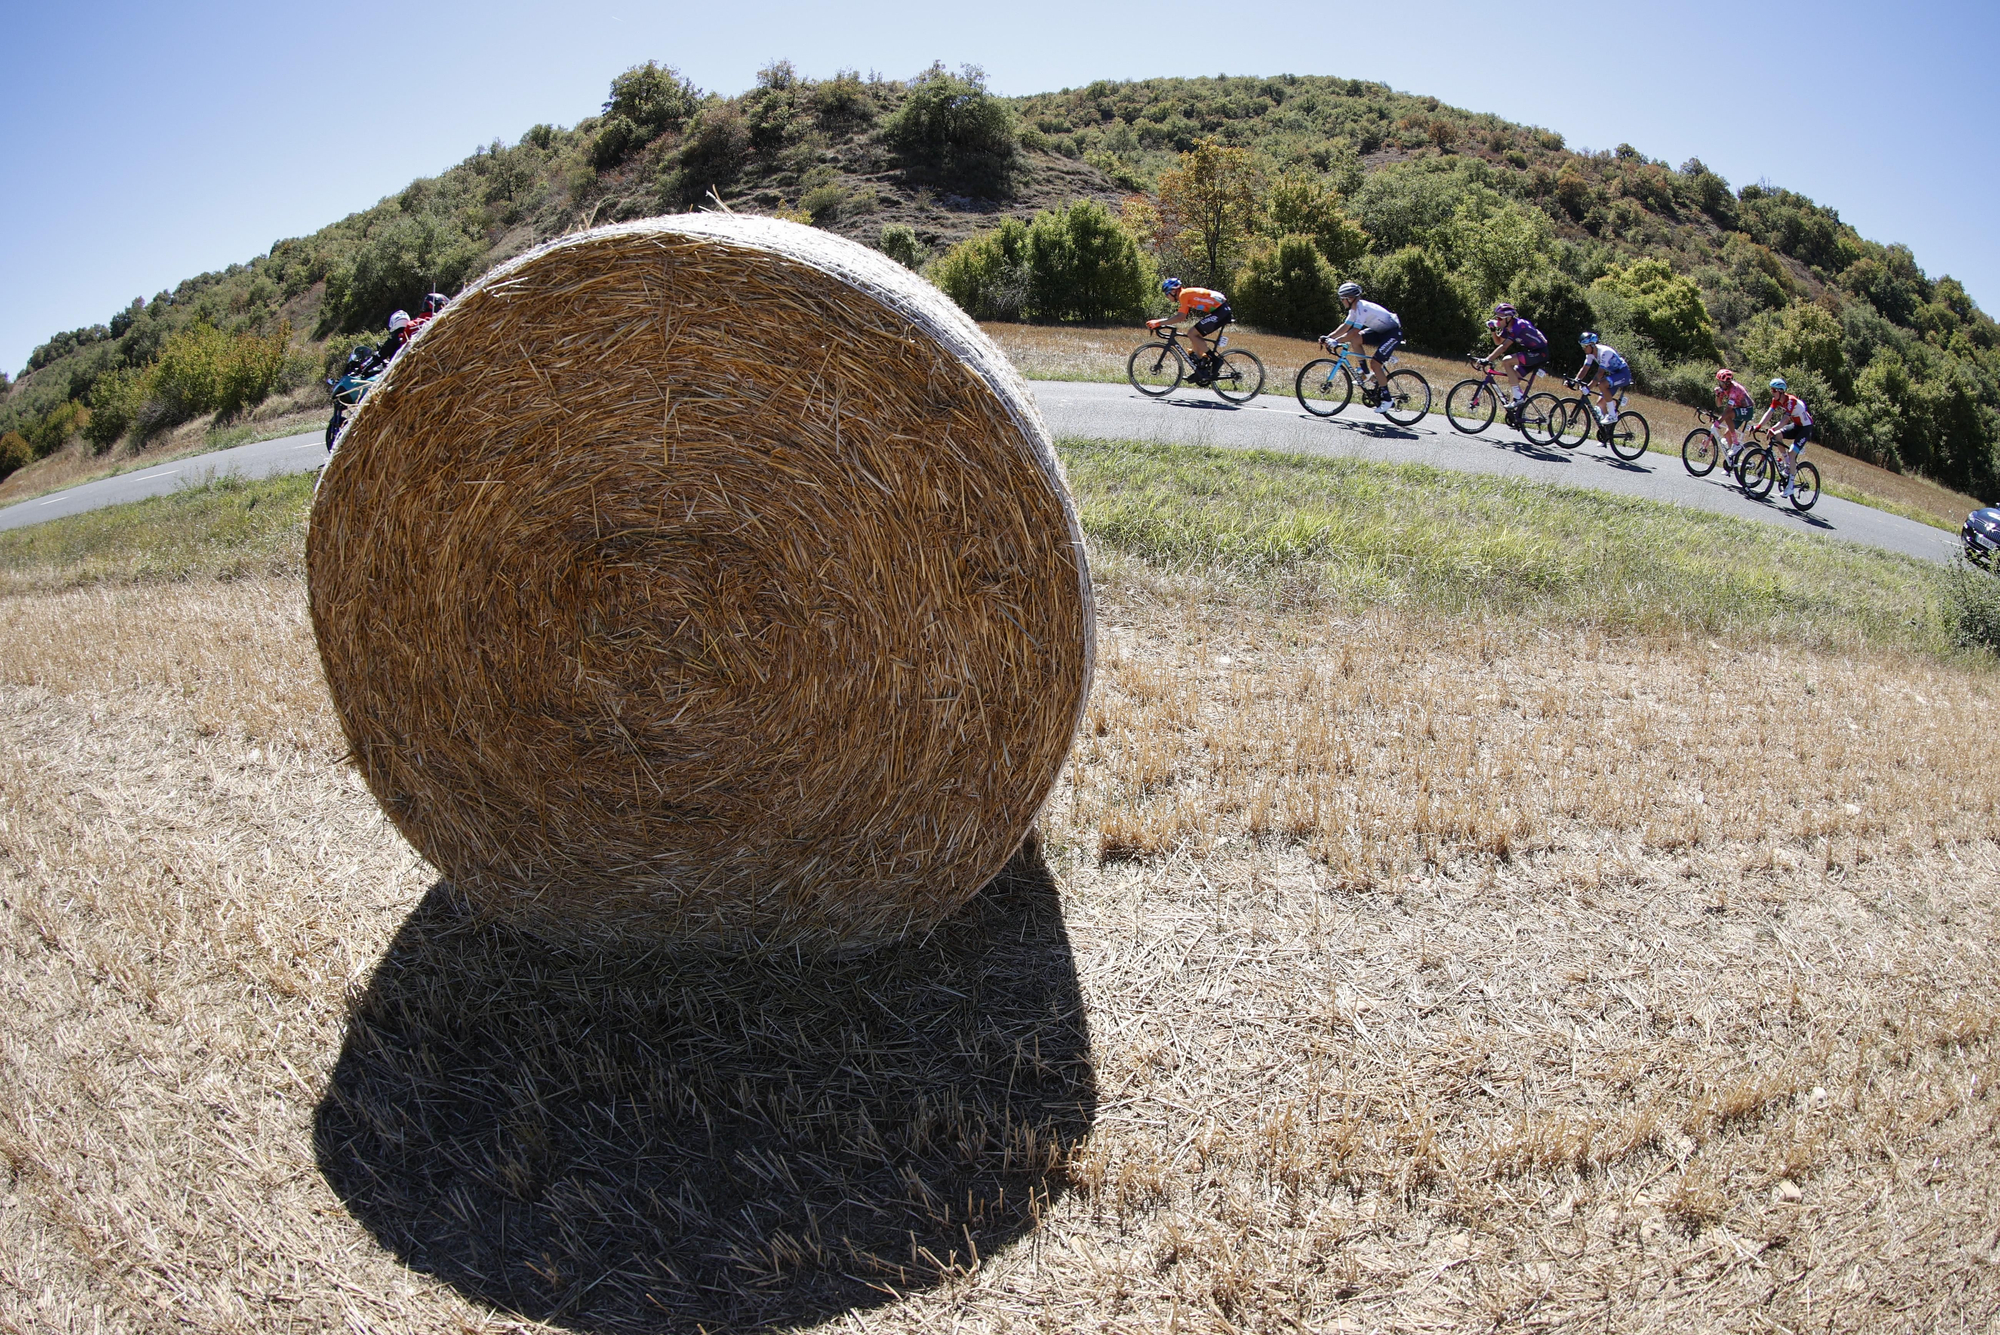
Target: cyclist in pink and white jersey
(1791, 420)
(1737, 407)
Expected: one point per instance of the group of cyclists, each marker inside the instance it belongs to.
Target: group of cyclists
(1373, 333)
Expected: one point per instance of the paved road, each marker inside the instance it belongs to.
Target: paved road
(265, 458)
(1198, 417)
(1270, 423)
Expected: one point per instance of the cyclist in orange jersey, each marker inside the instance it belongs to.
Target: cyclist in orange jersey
(1210, 311)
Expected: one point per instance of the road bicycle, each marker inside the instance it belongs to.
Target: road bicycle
(1473, 403)
(1157, 367)
(1627, 437)
(1759, 468)
(1703, 446)
(1326, 385)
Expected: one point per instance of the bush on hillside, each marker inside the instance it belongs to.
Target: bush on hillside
(950, 130)
(1972, 607)
(54, 430)
(1556, 305)
(412, 254)
(616, 137)
(1288, 288)
(1303, 205)
(1801, 336)
(714, 155)
(15, 453)
(1437, 314)
(1666, 307)
(199, 370)
(899, 242)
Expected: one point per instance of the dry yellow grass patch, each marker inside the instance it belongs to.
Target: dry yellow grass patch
(1436, 977)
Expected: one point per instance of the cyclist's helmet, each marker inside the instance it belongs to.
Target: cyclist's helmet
(398, 320)
(1779, 386)
(1504, 311)
(1586, 339)
(1724, 376)
(1350, 289)
(1170, 285)
(435, 302)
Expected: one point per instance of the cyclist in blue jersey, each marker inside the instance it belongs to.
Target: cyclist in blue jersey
(1374, 332)
(1606, 373)
(1521, 351)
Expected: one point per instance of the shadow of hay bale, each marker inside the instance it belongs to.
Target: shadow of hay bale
(658, 1141)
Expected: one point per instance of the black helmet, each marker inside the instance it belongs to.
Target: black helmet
(435, 302)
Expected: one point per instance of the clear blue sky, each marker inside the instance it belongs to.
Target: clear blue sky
(147, 143)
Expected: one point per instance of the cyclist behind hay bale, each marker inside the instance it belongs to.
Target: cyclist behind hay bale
(1373, 331)
(1735, 406)
(1607, 374)
(1210, 311)
(1521, 351)
(1791, 421)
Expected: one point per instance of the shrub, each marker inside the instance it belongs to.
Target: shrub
(1667, 308)
(616, 137)
(824, 203)
(1287, 288)
(114, 404)
(1556, 305)
(652, 98)
(1801, 336)
(1972, 607)
(717, 147)
(899, 242)
(951, 130)
(412, 254)
(55, 428)
(1437, 313)
(987, 275)
(1084, 265)
(843, 101)
(15, 453)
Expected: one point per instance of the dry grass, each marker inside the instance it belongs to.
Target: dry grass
(1047, 352)
(707, 577)
(1437, 975)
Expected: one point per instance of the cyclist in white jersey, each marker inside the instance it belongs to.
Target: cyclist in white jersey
(1374, 332)
(1606, 372)
(1793, 422)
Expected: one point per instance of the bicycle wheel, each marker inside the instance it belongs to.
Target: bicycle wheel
(1409, 397)
(1241, 378)
(1806, 494)
(1539, 418)
(1155, 368)
(1574, 424)
(1470, 406)
(1629, 436)
(1324, 387)
(1758, 473)
(1699, 452)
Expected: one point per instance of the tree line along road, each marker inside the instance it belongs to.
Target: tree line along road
(1197, 417)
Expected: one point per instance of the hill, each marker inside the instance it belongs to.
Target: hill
(1443, 207)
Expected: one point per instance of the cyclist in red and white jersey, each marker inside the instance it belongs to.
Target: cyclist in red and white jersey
(1737, 407)
(1792, 421)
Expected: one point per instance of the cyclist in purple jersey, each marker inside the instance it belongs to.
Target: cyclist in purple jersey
(1521, 351)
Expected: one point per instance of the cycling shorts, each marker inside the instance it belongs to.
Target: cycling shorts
(1528, 361)
(1799, 434)
(1382, 345)
(1619, 378)
(1214, 320)
(1743, 416)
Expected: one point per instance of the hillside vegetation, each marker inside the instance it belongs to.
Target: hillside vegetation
(1066, 206)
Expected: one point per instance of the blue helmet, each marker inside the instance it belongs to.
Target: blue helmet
(1780, 386)
(1586, 338)
(1168, 285)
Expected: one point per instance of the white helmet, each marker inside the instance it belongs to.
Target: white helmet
(398, 320)
(1350, 289)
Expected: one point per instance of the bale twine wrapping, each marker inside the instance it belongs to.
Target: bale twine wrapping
(711, 578)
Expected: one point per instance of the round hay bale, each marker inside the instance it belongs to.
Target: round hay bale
(710, 578)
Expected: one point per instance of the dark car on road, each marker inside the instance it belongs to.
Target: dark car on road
(1981, 535)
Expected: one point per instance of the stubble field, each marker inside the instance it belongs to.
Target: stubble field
(1376, 969)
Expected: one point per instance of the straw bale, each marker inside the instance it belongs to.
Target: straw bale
(706, 578)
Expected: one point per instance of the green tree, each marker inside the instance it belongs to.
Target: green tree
(899, 242)
(1287, 288)
(1303, 205)
(1207, 208)
(1494, 242)
(951, 130)
(1802, 337)
(653, 98)
(1084, 265)
(1666, 306)
(1436, 312)
(15, 453)
(1555, 304)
